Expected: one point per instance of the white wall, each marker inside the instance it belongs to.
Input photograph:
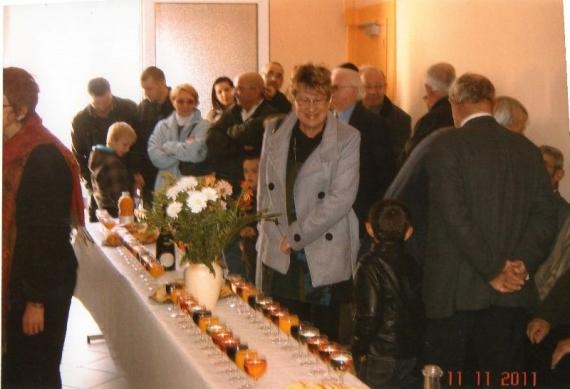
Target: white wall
(518, 44)
(66, 44)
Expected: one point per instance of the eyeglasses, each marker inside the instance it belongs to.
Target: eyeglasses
(181, 101)
(306, 101)
(374, 87)
(335, 88)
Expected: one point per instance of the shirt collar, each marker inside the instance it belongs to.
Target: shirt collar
(247, 114)
(346, 114)
(473, 116)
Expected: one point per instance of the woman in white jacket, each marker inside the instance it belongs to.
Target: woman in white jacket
(181, 137)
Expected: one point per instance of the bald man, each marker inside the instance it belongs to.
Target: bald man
(239, 130)
(273, 74)
(375, 100)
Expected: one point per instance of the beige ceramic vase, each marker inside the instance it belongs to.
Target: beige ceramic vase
(202, 284)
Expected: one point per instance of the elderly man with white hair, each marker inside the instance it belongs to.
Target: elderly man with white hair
(438, 79)
(510, 113)
(376, 158)
(491, 222)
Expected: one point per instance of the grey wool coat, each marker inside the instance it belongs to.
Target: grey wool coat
(324, 192)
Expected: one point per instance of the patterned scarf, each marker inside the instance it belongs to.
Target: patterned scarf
(16, 152)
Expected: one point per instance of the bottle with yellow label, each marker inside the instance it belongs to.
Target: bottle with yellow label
(126, 208)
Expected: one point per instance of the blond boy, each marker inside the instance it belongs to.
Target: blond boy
(109, 174)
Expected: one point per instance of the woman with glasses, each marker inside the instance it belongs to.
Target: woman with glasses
(308, 174)
(41, 200)
(181, 137)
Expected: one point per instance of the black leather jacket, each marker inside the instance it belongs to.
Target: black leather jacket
(389, 314)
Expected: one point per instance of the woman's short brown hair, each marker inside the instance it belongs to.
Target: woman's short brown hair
(311, 76)
(21, 90)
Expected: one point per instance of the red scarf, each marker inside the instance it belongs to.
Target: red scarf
(17, 149)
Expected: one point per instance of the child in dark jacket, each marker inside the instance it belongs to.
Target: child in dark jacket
(388, 321)
(109, 175)
(248, 234)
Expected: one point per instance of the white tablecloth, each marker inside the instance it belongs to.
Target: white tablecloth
(152, 348)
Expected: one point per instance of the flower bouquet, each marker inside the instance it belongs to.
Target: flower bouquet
(202, 215)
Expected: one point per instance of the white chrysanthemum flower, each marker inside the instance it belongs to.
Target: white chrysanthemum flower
(210, 193)
(196, 201)
(187, 183)
(223, 188)
(172, 192)
(174, 209)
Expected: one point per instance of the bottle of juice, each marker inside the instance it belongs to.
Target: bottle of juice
(126, 208)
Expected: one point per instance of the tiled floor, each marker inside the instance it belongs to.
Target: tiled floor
(87, 366)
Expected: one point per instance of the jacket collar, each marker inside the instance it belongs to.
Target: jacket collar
(327, 148)
(196, 117)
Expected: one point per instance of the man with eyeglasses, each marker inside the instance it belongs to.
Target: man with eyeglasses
(90, 127)
(273, 75)
(376, 158)
(375, 100)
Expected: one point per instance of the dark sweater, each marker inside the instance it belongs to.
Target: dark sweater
(44, 265)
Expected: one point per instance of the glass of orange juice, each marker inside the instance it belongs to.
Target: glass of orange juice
(241, 355)
(255, 367)
(206, 321)
(285, 324)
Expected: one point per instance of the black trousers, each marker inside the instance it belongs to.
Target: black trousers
(33, 361)
(483, 348)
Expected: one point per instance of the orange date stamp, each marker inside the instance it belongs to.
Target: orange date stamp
(489, 379)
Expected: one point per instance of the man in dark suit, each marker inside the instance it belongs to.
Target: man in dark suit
(439, 78)
(239, 130)
(237, 133)
(375, 100)
(554, 161)
(549, 332)
(155, 106)
(376, 158)
(411, 187)
(90, 126)
(273, 76)
(491, 222)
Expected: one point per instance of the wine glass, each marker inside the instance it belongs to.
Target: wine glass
(276, 316)
(206, 321)
(241, 356)
(341, 362)
(306, 332)
(268, 309)
(231, 282)
(325, 352)
(286, 323)
(313, 345)
(255, 367)
(260, 302)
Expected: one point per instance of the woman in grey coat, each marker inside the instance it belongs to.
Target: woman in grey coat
(308, 174)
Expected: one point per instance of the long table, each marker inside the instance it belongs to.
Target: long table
(153, 349)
